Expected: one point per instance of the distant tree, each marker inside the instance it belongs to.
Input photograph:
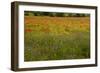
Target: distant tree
(87, 15)
(34, 13)
(60, 14)
(30, 13)
(53, 14)
(45, 13)
(66, 14)
(26, 13)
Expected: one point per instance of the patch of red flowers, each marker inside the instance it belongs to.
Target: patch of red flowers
(28, 30)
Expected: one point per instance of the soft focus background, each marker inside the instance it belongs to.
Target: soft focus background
(5, 36)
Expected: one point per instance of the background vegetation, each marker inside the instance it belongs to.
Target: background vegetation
(54, 14)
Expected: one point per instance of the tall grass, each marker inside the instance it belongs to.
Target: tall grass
(56, 42)
(51, 47)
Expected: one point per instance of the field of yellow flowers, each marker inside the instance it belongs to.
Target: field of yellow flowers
(56, 38)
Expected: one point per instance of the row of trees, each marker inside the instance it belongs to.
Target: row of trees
(55, 14)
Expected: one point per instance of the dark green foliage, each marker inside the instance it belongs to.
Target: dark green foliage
(54, 14)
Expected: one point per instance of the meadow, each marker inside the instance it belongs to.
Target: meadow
(56, 38)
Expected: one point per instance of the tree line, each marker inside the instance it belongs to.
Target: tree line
(54, 14)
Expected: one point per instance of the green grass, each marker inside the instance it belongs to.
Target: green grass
(51, 47)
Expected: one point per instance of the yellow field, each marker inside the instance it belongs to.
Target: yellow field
(82, 22)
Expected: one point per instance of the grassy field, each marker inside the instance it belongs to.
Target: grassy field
(56, 38)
